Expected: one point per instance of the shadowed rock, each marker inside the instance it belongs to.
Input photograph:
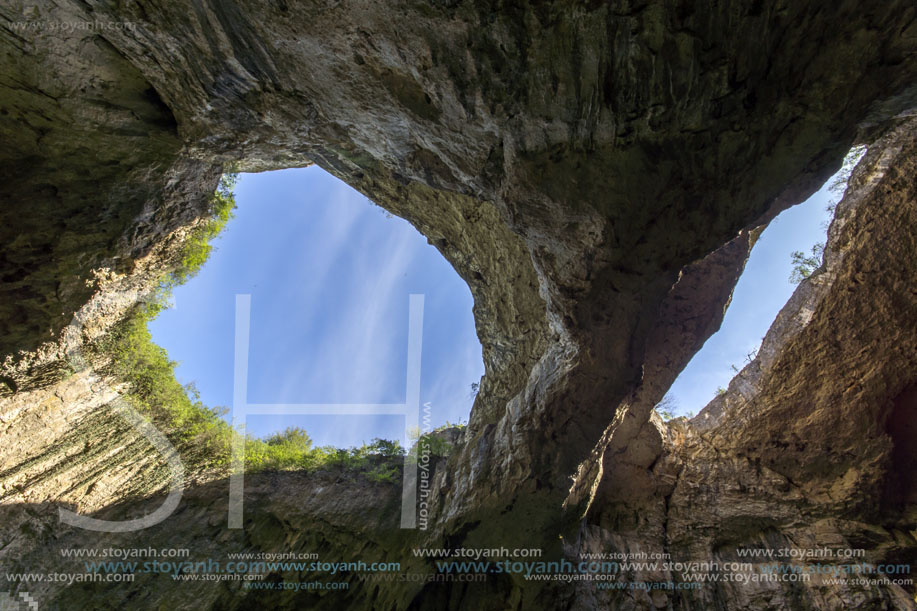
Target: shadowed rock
(596, 172)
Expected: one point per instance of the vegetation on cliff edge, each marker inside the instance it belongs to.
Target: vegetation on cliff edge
(200, 433)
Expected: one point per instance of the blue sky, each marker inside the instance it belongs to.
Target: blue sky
(330, 276)
(762, 290)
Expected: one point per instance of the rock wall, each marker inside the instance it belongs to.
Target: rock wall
(596, 172)
(807, 448)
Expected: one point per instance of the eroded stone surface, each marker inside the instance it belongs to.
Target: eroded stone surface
(596, 173)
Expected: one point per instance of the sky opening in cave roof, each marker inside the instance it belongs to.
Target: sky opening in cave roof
(330, 275)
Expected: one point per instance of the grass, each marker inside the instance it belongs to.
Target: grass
(199, 432)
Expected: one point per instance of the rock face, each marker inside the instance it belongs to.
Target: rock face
(808, 447)
(596, 172)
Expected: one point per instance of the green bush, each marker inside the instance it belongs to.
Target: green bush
(433, 444)
(293, 437)
(378, 460)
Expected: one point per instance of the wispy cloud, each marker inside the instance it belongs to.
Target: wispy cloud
(330, 279)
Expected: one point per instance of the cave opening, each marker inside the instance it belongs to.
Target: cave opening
(787, 251)
(330, 275)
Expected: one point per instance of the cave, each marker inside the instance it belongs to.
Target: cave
(597, 173)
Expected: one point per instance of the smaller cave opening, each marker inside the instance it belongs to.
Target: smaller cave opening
(788, 250)
(330, 276)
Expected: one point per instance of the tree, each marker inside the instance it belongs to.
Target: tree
(292, 437)
(842, 177)
(475, 387)
(198, 245)
(804, 265)
(667, 407)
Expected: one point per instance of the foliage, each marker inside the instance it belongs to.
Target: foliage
(667, 407)
(804, 265)
(175, 409)
(432, 442)
(198, 246)
(200, 432)
(292, 449)
(720, 391)
(293, 437)
(842, 177)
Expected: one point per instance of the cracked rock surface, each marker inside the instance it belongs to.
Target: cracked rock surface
(596, 172)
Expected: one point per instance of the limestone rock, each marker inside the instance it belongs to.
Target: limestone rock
(596, 172)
